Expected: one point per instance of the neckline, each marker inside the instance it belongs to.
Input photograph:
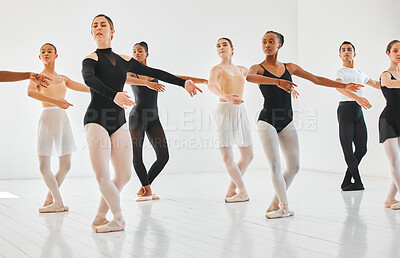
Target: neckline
(241, 73)
(274, 74)
(104, 50)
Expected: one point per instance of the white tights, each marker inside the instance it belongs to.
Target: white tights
(287, 139)
(237, 170)
(53, 182)
(102, 148)
(391, 147)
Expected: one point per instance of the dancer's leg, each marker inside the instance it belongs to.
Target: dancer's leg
(246, 156)
(391, 147)
(233, 169)
(51, 182)
(64, 168)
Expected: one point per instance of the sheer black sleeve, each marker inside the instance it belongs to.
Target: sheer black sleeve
(138, 68)
(88, 73)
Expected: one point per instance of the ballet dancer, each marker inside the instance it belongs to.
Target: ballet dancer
(39, 79)
(106, 131)
(389, 120)
(54, 127)
(352, 128)
(275, 125)
(227, 82)
(143, 118)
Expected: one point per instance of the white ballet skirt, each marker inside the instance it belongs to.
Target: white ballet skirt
(54, 136)
(233, 125)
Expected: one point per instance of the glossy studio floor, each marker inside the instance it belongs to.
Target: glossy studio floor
(192, 220)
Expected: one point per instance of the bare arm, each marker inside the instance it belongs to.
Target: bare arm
(374, 84)
(132, 80)
(34, 93)
(363, 102)
(214, 85)
(194, 79)
(73, 85)
(41, 80)
(387, 81)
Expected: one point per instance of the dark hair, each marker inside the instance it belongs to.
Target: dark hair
(144, 45)
(227, 39)
(55, 49)
(390, 45)
(349, 43)
(280, 36)
(110, 22)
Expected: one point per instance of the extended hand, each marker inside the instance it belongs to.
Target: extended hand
(233, 99)
(287, 86)
(191, 88)
(62, 103)
(40, 79)
(122, 99)
(363, 102)
(156, 86)
(353, 87)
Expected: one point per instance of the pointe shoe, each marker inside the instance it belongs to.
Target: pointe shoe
(155, 197)
(395, 206)
(389, 204)
(239, 197)
(50, 209)
(273, 207)
(279, 214)
(112, 226)
(101, 222)
(142, 198)
(230, 194)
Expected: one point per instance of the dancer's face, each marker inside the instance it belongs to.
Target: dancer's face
(347, 52)
(224, 49)
(394, 53)
(139, 53)
(47, 54)
(270, 44)
(101, 30)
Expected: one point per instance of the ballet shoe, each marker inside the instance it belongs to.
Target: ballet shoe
(99, 221)
(51, 209)
(155, 197)
(395, 206)
(230, 194)
(344, 185)
(111, 226)
(354, 187)
(281, 213)
(273, 207)
(239, 197)
(142, 198)
(389, 204)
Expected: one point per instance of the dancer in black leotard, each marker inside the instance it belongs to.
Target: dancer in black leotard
(389, 120)
(41, 80)
(144, 119)
(275, 124)
(107, 135)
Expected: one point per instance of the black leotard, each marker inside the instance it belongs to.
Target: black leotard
(277, 110)
(106, 77)
(389, 120)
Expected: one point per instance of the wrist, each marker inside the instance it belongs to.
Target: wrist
(278, 82)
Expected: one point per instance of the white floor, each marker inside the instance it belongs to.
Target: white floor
(192, 220)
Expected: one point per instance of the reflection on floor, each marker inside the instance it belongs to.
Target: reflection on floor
(192, 220)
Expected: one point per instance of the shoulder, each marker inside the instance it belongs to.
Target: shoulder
(292, 67)
(126, 58)
(216, 69)
(92, 56)
(257, 68)
(244, 69)
(65, 78)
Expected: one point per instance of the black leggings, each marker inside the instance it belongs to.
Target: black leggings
(352, 129)
(155, 134)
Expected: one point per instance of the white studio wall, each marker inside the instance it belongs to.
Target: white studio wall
(370, 26)
(181, 37)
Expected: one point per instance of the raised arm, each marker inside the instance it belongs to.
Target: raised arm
(41, 80)
(319, 80)
(133, 80)
(374, 84)
(214, 85)
(73, 85)
(363, 102)
(386, 80)
(34, 93)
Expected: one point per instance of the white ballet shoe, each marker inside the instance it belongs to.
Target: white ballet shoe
(239, 197)
(144, 198)
(395, 206)
(112, 226)
(278, 214)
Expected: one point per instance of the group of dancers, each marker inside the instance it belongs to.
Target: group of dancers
(105, 73)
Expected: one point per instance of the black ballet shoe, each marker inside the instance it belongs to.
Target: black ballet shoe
(345, 185)
(354, 187)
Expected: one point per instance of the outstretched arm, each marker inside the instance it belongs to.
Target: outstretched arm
(194, 79)
(387, 81)
(363, 102)
(41, 80)
(319, 80)
(132, 80)
(34, 93)
(374, 84)
(214, 84)
(73, 85)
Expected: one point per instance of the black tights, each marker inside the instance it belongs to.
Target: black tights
(352, 129)
(155, 134)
